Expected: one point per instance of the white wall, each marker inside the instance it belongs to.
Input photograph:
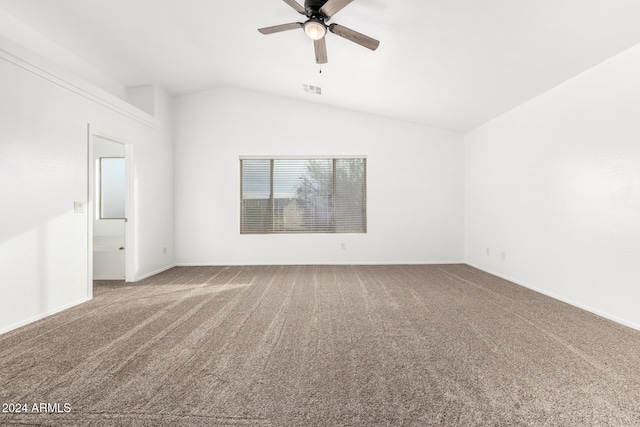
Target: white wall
(555, 184)
(11, 28)
(414, 183)
(43, 170)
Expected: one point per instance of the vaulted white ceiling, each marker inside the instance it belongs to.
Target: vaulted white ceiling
(453, 64)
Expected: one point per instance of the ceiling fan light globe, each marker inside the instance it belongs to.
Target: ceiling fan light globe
(315, 30)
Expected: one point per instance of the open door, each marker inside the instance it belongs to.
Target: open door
(109, 208)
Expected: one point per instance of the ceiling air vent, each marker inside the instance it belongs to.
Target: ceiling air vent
(315, 90)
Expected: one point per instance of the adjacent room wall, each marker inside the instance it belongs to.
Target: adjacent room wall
(555, 186)
(44, 116)
(414, 184)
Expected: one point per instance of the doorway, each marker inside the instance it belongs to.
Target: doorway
(110, 242)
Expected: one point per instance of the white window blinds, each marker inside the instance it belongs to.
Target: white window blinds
(320, 195)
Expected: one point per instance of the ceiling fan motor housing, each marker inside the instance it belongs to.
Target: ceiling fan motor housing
(313, 8)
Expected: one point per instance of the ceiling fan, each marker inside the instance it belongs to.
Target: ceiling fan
(318, 12)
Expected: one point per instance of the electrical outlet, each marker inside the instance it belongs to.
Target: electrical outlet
(164, 250)
(503, 255)
(343, 246)
(486, 251)
(78, 207)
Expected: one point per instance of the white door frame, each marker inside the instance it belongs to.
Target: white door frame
(129, 225)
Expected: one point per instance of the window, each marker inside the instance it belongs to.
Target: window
(293, 195)
(112, 189)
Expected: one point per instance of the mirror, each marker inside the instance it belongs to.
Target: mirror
(112, 187)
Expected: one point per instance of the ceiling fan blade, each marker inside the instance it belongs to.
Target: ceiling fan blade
(279, 28)
(331, 7)
(294, 4)
(354, 36)
(320, 47)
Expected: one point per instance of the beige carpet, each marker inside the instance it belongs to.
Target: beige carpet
(322, 346)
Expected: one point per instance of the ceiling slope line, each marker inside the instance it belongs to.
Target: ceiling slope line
(82, 88)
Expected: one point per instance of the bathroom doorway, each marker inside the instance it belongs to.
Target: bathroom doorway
(109, 208)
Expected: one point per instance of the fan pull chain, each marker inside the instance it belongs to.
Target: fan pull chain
(320, 69)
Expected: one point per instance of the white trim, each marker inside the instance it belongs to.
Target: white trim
(41, 316)
(90, 211)
(560, 298)
(340, 263)
(80, 87)
(153, 273)
(129, 226)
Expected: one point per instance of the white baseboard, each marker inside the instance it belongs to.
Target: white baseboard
(240, 264)
(41, 316)
(560, 298)
(153, 273)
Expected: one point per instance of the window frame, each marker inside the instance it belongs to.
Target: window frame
(334, 158)
(101, 191)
